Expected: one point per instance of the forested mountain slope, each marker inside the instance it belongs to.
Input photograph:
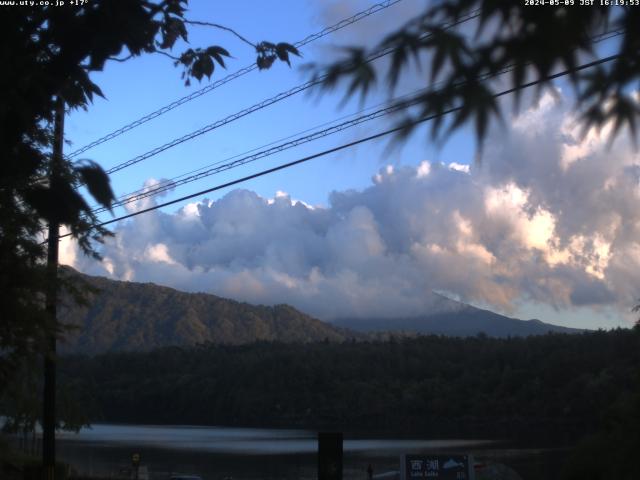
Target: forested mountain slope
(129, 316)
(122, 316)
(482, 387)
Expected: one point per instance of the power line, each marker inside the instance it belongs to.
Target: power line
(237, 74)
(248, 157)
(259, 106)
(391, 107)
(247, 152)
(355, 142)
(256, 156)
(471, 15)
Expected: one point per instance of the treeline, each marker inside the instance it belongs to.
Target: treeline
(549, 385)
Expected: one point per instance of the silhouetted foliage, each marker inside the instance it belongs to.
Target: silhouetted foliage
(530, 41)
(49, 53)
(21, 405)
(611, 452)
(554, 386)
(542, 390)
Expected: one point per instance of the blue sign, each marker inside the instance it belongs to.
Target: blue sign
(437, 467)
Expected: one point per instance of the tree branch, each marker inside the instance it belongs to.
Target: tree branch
(221, 27)
(124, 59)
(172, 57)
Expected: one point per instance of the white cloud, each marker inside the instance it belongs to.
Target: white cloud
(460, 167)
(67, 250)
(158, 253)
(527, 225)
(423, 169)
(137, 203)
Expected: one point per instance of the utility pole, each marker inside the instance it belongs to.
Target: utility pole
(49, 393)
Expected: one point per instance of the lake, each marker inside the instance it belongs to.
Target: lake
(216, 453)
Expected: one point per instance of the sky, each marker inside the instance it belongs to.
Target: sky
(544, 226)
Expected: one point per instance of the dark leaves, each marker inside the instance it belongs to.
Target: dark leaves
(593, 117)
(97, 182)
(269, 52)
(62, 203)
(624, 111)
(218, 53)
(405, 45)
(172, 29)
(38, 197)
(264, 62)
(284, 49)
(448, 48)
(356, 66)
(175, 7)
(530, 43)
(199, 63)
(364, 77)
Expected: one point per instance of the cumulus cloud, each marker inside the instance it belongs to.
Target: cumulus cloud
(548, 217)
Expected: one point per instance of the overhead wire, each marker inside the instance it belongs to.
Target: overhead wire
(272, 148)
(237, 74)
(343, 23)
(392, 106)
(247, 152)
(354, 143)
(261, 105)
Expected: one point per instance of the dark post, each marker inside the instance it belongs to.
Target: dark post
(330, 456)
(49, 394)
(135, 460)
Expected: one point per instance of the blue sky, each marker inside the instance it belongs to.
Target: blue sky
(145, 252)
(138, 87)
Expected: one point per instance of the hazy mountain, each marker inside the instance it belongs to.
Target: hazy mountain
(144, 316)
(451, 318)
(122, 316)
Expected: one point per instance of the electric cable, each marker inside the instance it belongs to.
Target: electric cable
(392, 106)
(259, 106)
(353, 143)
(237, 74)
(247, 157)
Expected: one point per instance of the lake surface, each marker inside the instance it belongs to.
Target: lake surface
(248, 453)
(239, 440)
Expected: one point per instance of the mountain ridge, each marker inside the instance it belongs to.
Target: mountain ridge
(123, 316)
(464, 322)
(133, 316)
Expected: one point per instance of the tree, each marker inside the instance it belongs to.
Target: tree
(21, 405)
(49, 53)
(530, 41)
